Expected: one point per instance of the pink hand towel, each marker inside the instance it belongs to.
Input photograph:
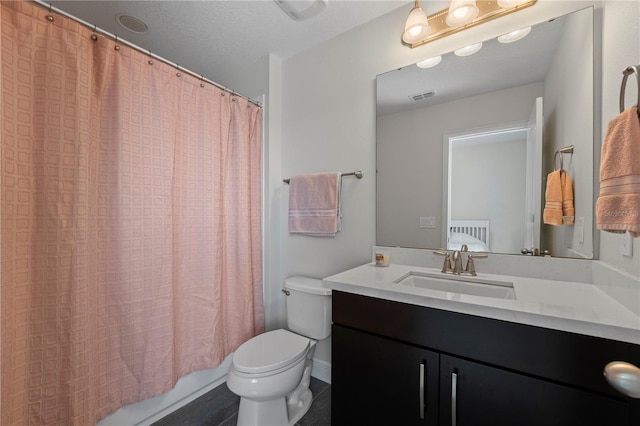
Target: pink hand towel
(314, 204)
(618, 206)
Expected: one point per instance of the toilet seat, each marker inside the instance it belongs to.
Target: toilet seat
(270, 351)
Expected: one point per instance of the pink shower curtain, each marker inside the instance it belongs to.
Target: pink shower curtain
(130, 234)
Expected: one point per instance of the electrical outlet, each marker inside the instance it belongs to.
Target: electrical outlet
(626, 245)
(579, 227)
(427, 222)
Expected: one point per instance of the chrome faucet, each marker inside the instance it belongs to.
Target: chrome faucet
(453, 261)
(535, 252)
(456, 258)
(446, 265)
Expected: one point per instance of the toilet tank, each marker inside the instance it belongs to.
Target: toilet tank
(308, 307)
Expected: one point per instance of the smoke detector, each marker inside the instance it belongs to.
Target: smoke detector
(299, 10)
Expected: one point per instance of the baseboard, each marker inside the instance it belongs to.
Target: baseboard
(187, 389)
(165, 411)
(321, 370)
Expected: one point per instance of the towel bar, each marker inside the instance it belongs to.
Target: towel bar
(627, 72)
(559, 152)
(357, 174)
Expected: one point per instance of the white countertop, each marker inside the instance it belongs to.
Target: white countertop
(561, 305)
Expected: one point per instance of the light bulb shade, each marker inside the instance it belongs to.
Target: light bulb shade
(508, 4)
(468, 50)
(461, 12)
(417, 27)
(429, 62)
(514, 35)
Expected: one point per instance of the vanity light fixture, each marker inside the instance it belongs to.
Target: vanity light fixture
(417, 26)
(420, 29)
(468, 50)
(461, 12)
(510, 3)
(429, 62)
(514, 35)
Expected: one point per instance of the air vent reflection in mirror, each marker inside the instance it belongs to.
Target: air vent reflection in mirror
(423, 95)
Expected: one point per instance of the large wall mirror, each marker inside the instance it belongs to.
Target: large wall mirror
(464, 148)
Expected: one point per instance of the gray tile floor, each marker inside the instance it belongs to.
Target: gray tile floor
(219, 407)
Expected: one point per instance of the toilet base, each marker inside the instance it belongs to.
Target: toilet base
(276, 412)
(296, 411)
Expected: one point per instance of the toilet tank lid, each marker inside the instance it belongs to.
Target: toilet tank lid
(307, 285)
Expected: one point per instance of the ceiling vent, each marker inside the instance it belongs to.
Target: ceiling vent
(131, 23)
(422, 95)
(299, 10)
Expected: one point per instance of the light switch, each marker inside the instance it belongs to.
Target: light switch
(579, 227)
(427, 222)
(626, 245)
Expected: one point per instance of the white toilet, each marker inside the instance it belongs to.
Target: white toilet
(271, 372)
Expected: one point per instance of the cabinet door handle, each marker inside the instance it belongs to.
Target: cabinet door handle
(422, 403)
(623, 377)
(454, 398)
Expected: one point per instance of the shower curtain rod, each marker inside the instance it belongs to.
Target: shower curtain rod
(115, 37)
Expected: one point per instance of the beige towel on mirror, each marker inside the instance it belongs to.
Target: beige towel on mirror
(553, 199)
(618, 206)
(568, 210)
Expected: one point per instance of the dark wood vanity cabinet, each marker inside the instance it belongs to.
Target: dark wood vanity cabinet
(400, 364)
(372, 393)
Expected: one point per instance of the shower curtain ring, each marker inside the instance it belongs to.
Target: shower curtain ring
(49, 16)
(116, 47)
(150, 61)
(94, 36)
(201, 80)
(178, 74)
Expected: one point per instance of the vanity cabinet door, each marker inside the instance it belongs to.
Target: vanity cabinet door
(476, 394)
(379, 381)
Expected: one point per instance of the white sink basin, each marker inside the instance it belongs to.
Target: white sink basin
(459, 284)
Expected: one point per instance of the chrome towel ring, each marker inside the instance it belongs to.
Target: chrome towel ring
(627, 72)
(558, 153)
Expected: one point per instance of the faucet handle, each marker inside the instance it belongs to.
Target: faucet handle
(471, 266)
(446, 265)
(478, 255)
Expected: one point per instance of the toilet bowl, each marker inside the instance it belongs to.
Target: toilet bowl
(272, 371)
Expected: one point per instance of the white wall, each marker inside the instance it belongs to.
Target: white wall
(568, 105)
(328, 118)
(620, 48)
(410, 159)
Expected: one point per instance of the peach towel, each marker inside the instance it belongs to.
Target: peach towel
(618, 206)
(558, 208)
(314, 204)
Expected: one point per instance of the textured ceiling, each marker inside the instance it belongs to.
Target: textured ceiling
(217, 38)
